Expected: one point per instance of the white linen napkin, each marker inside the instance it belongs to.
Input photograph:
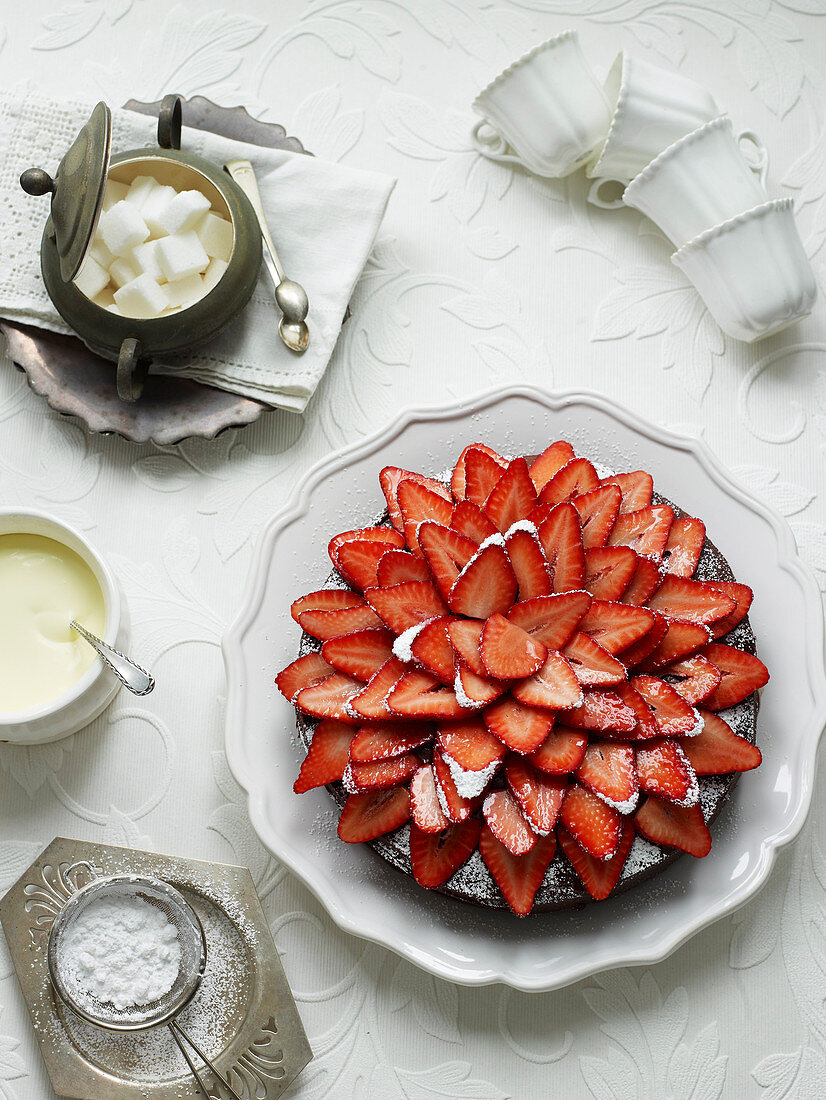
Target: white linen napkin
(323, 217)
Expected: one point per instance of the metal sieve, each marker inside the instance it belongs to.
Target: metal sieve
(164, 1010)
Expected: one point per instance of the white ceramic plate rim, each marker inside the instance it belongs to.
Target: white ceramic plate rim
(633, 952)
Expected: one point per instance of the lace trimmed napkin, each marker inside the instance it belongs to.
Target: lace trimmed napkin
(323, 216)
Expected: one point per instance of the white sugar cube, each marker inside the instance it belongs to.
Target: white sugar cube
(182, 255)
(139, 190)
(215, 235)
(92, 278)
(114, 309)
(141, 298)
(124, 270)
(154, 208)
(101, 253)
(122, 228)
(212, 275)
(105, 299)
(114, 192)
(184, 292)
(184, 211)
(145, 258)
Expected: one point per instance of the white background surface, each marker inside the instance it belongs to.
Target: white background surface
(481, 275)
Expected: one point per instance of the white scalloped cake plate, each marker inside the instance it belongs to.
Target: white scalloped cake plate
(462, 943)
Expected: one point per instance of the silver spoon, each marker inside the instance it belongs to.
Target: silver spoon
(290, 297)
(132, 676)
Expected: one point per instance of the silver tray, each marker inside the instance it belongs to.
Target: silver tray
(243, 1016)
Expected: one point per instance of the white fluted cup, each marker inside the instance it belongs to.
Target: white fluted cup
(546, 112)
(752, 272)
(652, 108)
(700, 181)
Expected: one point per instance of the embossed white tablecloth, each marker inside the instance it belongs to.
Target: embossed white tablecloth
(481, 275)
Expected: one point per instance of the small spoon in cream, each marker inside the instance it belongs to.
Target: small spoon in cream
(130, 674)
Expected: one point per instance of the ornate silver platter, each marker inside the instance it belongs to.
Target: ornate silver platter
(243, 1016)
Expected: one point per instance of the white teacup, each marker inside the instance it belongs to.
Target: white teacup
(548, 107)
(752, 271)
(700, 181)
(652, 108)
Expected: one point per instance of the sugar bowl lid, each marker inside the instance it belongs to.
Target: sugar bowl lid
(77, 189)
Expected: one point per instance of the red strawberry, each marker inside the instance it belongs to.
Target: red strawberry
(435, 857)
(518, 877)
(303, 672)
(608, 770)
(466, 637)
(575, 478)
(404, 605)
(513, 496)
(373, 813)
(482, 472)
(327, 757)
(359, 654)
(458, 480)
(717, 749)
(455, 807)
(540, 512)
(561, 752)
(508, 652)
(446, 553)
(592, 664)
(691, 601)
(602, 710)
(674, 826)
(329, 698)
(742, 595)
(685, 545)
(520, 727)
(380, 774)
(645, 531)
(417, 695)
(673, 715)
(539, 796)
(598, 511)
(399, 566)
(387, 739)
(742, 672)
(326, 599)
(487, 584)
(677, 640)
(432, 650)
(554, 686)
(553, 619)
(616, 626)
(378, 534)
(697, 678)
(594, 824)
(560, 535)
(608, 571)
(358, 560)
(507, 822)
(391, 477)
(470, 744)
(332, 624)
(533, 577)
(469, 520)
(645, 581)
(475, 691)
(550, 462)
(663, 769)
(424, 802)
(599, 876)
(646, 724)
(371, 701)
(418, 503)
(636, 487)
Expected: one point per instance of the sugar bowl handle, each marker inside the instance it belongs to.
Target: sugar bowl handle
(132, 370)
(169, 122)
(37, 181)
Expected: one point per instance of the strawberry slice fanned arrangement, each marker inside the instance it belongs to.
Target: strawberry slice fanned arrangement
(522, 662)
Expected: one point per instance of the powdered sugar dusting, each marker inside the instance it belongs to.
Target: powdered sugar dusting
(462, 697)
(522, 525)
(699, 725)
(402, 644)
(469, 784)
(692, 795)
(626, 807)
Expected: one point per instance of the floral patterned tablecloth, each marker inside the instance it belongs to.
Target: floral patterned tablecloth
(481, 275)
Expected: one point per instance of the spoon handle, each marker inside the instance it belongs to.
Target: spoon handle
(132, 676)
(244, 175)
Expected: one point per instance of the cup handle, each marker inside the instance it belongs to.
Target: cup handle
(492, 147)
(760, 166)
(604, 204)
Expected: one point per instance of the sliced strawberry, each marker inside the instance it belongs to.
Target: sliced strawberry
(513, 496)
(417, 695)
(418, 503)
(685, 545)
(575, 478)
(380, 774)
(553, 619)
(742, 596)
(673, 715)
(373, 813)
(674, 826)
(550, 462)
(594, 824)
(539, 797)
(663, 769)
(645, 531)
(332, 624)
(540, 512)
(390, 479)
(469, 520)
(598, 511)
(608, 571)
(487, 584)
(466, 637)
(560, 535)
(608, 770)
(592, 664)
(598, 876)
(454, 806)
(435, 857)
(384, 740)
(696, 676)
(475, 692)
(637, 653)
(482, 472)
(446, 553)
(561, 752)
(717, 749)
(691, 601)
(645, 581)
(399, 566)
(424, 802)
(357, 561)
(458, 480)
(326, 599)
(371, 701)
(616, 626)
(507, 822)
(303, 672)
(554, 686)
(362, 534)
(646, 726)
(742, 672)
(359, 654)
(521, 728)
(677, 640)
(404, 605)
(518, 877)
(470, 743)
(432, 650)
(329, 698)
(327, 756)
(602, 710)
(508, 652)
(636, 487)
(533, 577)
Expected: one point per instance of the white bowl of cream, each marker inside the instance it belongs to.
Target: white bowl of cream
(51, 681)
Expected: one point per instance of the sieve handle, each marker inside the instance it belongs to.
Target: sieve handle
(178, 1033)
